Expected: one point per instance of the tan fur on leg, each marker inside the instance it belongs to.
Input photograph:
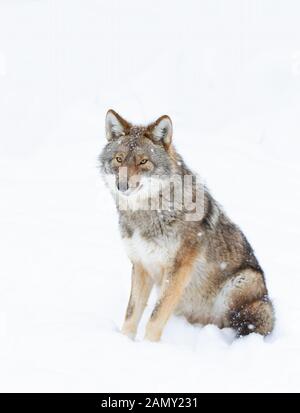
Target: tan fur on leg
(141, 285)
(173, 286)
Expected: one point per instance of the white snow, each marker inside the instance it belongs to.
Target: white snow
(228, 74)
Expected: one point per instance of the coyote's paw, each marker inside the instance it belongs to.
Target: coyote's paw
(152, 335)
(128, 331)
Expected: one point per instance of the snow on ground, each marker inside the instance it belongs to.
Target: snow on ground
(228, 73)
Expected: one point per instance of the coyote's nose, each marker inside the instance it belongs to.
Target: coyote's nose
(122, 186)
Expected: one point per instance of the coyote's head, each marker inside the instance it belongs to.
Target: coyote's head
(136, 154)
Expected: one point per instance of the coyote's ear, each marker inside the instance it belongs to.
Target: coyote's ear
(161, 130)
(115, 125)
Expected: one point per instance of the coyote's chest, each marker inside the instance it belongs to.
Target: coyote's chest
(155, 254)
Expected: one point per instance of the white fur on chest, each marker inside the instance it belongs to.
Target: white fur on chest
(154, 255)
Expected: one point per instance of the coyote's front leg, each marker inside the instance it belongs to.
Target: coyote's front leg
(174, 283)
(141, 285)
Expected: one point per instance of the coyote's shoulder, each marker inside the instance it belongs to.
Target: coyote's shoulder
(202, 262)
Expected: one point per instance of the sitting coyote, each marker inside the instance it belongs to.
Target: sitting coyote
(201, 261)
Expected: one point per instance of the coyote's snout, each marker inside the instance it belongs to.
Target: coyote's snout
(202, 262)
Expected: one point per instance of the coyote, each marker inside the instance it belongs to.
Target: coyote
(202, 263)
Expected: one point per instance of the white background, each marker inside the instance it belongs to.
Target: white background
(228, 74)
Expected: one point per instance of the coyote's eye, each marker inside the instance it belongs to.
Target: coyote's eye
(119, 159)
(143, 161)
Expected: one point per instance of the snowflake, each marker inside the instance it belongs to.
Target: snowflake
(223, 265)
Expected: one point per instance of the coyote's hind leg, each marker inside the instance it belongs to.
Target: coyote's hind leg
(249, 307)
(255, 317)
